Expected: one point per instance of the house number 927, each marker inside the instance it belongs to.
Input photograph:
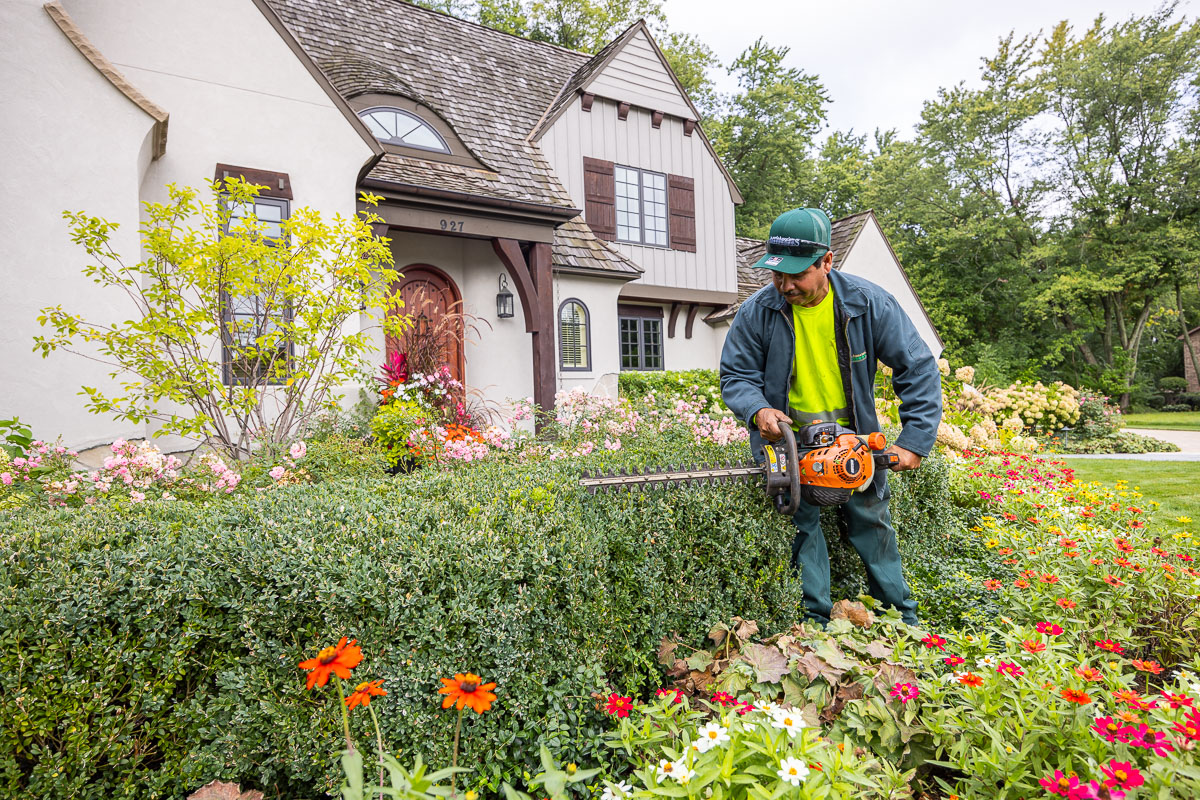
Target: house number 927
(453, 225)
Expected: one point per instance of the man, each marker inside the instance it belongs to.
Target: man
(803, 349)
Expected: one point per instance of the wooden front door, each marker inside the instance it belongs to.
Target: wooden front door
(435, 336)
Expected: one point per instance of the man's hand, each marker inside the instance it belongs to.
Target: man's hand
(908, 459)
(768, 421)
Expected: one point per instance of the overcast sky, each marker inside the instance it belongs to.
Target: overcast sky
(879, 61)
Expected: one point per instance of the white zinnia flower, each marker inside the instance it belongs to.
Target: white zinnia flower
(713, 734)
(767, 708)
(616, 791)
(675, 769)
(793, 770)
(987, 662)
(787, 720)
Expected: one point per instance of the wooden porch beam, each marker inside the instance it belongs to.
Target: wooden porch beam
(509, 251)
(671, 322)
(693, 309)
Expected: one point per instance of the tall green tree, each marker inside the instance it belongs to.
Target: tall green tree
(1119, 96)
(764, 132)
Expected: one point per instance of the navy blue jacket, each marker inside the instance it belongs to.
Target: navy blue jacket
(759, 354)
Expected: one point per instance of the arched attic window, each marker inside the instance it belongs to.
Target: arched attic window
(404, 128)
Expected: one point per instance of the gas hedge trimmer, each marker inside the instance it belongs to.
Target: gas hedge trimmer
(824, 467)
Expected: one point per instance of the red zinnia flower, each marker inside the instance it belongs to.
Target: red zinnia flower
(364, 692)
(1032, 646)
(1049, 579)
(1122, 775)
(1110, 646)
(743, 707)
(970, 679)
(1123, 545)
(337, 660)
(1127, 696)
(1075, 696)
(1147, 666)
(933, 640)
(1113, 580)
(1005, 551)
(1096, 561)
(1049, 628)
(724, 699)
(991, 584)
(954, 661)
(1063, 602)
(618, 706)
(1021, 583)
(467, 690)
(665, 692)
(1089, 674)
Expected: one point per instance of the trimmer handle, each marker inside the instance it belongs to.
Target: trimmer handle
(783, 471)
(886, 460)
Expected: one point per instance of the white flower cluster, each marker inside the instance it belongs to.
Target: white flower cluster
(1039, 406)
(952, 436)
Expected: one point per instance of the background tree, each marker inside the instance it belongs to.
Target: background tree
(282, 365)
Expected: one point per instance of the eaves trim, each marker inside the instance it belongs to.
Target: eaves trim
(110, 73)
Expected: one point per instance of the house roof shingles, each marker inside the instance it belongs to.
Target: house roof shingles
(492, 88)
(749, 251)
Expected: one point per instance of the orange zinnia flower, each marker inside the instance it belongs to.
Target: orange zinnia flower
(338, 660)
(1075, 696)
(363, 693)
(467, 690)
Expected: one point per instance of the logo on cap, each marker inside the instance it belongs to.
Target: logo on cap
(773, 261)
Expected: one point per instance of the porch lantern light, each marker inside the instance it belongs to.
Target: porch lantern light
(504, 299)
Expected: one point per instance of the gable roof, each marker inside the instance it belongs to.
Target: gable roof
(583, 77)
(577, 249)
(842, 237)
(490, 87)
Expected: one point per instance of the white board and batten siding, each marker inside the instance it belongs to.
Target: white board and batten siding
(636, 75)
(634, 142)
(870, 257)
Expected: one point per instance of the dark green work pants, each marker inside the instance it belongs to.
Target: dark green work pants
(870, 528)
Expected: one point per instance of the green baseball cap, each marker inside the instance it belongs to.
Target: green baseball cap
(798, 239)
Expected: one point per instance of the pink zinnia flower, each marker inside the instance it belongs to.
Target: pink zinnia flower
(618, 706)
(954, 661)
(1011, 669)
(905, 692)
(1093, 790)
(1122, 775)
(1049, 628)
(678, 695)
(1110, 729)
(1110, 646)
(933, 640)
(1060, 784)
(1177, 700)
(1142, 736)
(724, 699)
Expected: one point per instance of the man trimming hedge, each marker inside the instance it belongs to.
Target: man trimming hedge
(802, 350)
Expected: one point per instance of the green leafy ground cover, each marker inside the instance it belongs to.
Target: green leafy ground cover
(1163, 420)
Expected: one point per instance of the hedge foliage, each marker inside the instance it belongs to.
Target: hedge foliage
(149, 649)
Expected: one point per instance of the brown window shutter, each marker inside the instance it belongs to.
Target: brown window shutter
(599, 194)
(682, 202)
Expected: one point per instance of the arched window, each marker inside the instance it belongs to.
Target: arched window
(574, 337)
(404, 128)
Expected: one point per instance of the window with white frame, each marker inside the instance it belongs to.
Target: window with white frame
(404, 128)
(246, 317)
(641, 198)
(574, 337)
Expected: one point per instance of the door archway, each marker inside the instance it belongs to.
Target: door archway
(434, 303)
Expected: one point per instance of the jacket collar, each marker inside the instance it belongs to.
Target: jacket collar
(845, 293)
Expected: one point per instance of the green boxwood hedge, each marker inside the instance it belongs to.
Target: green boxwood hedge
(149, 649)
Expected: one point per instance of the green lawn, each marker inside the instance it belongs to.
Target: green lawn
(1165, 420)
(1175, 484)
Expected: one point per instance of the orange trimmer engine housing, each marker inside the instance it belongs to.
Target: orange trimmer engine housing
(837, 462)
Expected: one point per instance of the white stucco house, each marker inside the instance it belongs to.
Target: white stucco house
(584, 184)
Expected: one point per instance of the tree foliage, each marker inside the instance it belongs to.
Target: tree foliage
(239, 376)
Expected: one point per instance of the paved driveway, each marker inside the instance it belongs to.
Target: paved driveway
(1188, 441)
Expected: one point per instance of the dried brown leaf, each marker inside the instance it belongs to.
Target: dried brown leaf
(745, 628)
(858, 614)
(718, 632)
(812, 666)
(666, 650)
(769, 664)
(220, 790)
(845, 693)
(678, 669)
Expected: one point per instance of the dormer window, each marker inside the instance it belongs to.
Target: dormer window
(404, 128)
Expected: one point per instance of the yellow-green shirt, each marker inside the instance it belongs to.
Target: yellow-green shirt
(816, 393)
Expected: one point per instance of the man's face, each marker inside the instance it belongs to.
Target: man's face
(806, 288)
